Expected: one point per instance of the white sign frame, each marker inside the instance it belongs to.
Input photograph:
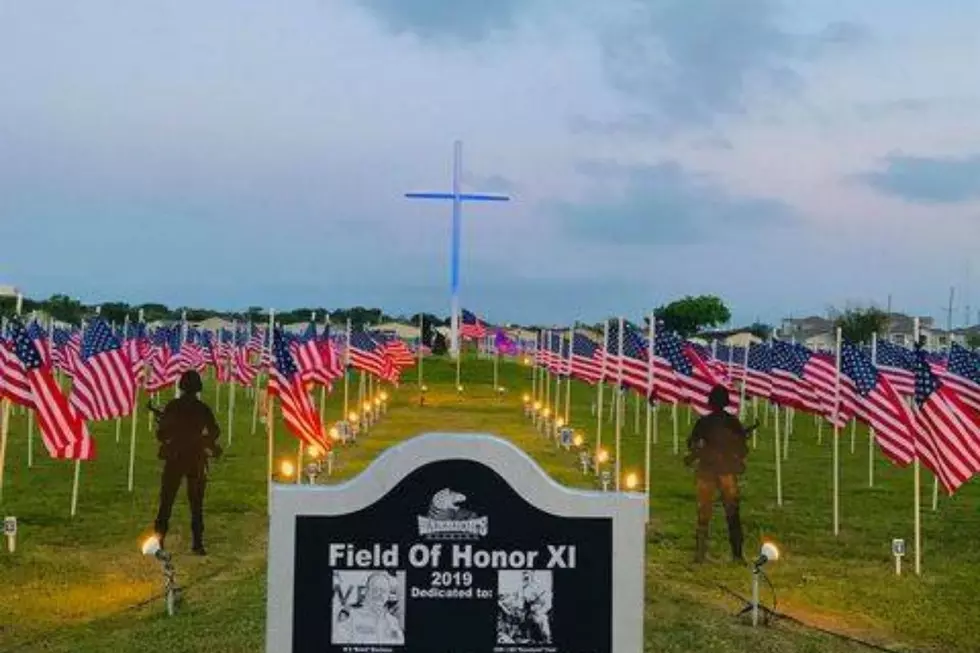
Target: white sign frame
(627, 510)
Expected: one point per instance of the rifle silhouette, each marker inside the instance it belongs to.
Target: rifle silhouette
(157, 413)
(692, 456)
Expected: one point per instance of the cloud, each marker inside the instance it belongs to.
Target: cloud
(927, 180)
(489, 183)
(663, 204)
(685, 63)
(442, 20)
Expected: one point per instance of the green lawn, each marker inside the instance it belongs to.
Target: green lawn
(79, 584)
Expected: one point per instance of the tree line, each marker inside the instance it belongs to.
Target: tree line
(687, 316)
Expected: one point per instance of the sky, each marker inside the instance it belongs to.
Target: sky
(785, 156)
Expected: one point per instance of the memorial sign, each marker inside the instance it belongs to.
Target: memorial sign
(455, 543)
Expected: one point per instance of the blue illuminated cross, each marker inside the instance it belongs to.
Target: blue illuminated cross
(458, 198)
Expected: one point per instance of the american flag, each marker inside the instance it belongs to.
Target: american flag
(65, 349)
(471, 327)
(104, 386)
(166, 365)
(897, 364)
(947, 442)
(789, 387)
(879, 405)
(286, 382)
(367, 355)
(14, 384)
(758, 374)
(695, 378)
(586, 359)
(63, 431)
(962, 375)
(242, 370)
(313, 359)
(393, 347)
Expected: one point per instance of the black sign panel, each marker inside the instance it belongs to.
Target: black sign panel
(452, 560)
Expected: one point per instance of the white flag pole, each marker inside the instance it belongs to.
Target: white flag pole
(837, 435)
(78, 461)
(119, 419)
(619, 404)
(231, 380)
(602, 377)
(568, 372)
(871, 430)
(323, 387)
(917, 483)
(651, 348)
(347, 372)
(5, 412)
(269, 414)
(132, 427)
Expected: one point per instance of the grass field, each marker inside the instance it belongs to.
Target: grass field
(79, 584)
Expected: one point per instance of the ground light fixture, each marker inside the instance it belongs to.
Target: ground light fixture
(151, 547)
(631, 481)
(769, 552)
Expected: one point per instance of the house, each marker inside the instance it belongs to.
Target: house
(820, 333)
(8, 291)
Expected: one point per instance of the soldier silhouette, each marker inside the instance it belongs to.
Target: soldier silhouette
(718, 446)
(188, 433)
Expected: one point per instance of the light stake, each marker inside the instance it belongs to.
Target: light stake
(583, 458)
(631, 481)
(151, 547)
(768, 552)
(606, 478)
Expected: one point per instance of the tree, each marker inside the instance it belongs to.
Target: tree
(690, 314)
(115, 312)
(858, 324)
(64, 309)
(973, 340)
(760, 330)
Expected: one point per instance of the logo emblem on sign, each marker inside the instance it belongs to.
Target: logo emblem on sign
(446, 520)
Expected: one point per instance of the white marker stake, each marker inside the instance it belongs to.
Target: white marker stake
(10, 530)
(898, 550)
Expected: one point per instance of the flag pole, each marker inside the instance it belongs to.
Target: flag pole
(232, 389)
(779, 458)
(837, 434)
(119, 419)
(136, 405)
(599, 404)
(5, 412)
(270, 412)
(76, 480)
(619, 403)
(917, 484)
(651, 348)
(347, 373)
(871, 430)
(419, 352)
(568, 383)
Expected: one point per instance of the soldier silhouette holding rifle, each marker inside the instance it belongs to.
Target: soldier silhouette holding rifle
(718, 446)
(188, 434)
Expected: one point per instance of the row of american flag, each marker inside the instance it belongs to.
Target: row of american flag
(108, 365)
(921, 405)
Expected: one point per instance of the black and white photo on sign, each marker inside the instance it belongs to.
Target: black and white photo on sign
(368, 607)
(524, 599)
